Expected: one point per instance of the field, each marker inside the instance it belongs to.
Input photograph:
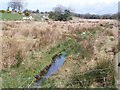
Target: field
(17, 17)
(28, 46)
(9, 16)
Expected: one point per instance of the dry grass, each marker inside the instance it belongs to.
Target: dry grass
(26, 36)
(103, 47)
(22, 38)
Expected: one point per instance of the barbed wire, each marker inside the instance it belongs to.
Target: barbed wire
(30, 81)
(61, 75)
(25, 82)
(73, 82)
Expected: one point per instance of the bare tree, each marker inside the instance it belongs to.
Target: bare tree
(59, 9)
(60, 13)
(16, 5)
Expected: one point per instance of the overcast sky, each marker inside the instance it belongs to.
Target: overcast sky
(79, 6)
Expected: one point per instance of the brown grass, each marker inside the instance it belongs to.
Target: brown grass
(25, 37)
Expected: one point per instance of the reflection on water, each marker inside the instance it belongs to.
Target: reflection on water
(58, 62)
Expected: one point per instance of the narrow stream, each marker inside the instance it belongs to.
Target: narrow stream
(58, 62)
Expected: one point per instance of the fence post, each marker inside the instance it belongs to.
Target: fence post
(117, 70)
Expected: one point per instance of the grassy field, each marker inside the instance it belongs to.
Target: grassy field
(29, 46)
(9, 16)
(13, 17)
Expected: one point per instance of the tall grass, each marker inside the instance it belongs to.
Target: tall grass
(28, 47)
(101, 76)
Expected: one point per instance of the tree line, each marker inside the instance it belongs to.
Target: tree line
(94, 16)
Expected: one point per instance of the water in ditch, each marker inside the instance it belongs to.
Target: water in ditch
(56, 65)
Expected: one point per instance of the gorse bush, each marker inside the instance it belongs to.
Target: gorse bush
(9, 11)
(15, 10)
(52, 15)
(27, 14)
(58, 16)
(20, 13)
(2, 11)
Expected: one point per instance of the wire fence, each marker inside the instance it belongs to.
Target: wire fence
(98, 76)
(92, 78)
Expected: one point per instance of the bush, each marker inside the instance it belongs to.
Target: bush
(60, 17)
(15, 10)
(42, 12)
(9, 11)
(53, 16)
(27, 14)
(2, 11)
(70, 18)
(20, 13)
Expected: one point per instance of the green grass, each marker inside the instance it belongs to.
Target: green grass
(16, 76)
(9, 16)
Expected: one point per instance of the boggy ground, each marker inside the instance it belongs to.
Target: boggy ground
(27, 47)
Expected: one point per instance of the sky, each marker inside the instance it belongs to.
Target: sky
(78, 6)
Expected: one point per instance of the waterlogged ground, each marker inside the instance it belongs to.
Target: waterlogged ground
(29, 46)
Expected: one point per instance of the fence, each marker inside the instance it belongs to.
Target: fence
(93, 78)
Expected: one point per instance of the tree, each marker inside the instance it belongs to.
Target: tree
(60, 14)
(16, 5)
(8, 8)
(26, 10)
(59, 9)
(41, 12)
(53, 15)
(37, 11)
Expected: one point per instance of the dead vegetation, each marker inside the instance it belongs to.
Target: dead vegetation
(22, 38)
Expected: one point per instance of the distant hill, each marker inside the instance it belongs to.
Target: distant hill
(95, 16)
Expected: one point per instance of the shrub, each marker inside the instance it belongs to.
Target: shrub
(2, 11)
(27, 14)
(52, 15)
(9, 11)
(60, 16)
(42, 12)
(20, 13)
(70, 18)
(15, 10)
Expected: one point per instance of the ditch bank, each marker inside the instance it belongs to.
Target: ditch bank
(52, 68)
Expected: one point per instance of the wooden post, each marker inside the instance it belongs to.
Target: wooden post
(117, 70)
